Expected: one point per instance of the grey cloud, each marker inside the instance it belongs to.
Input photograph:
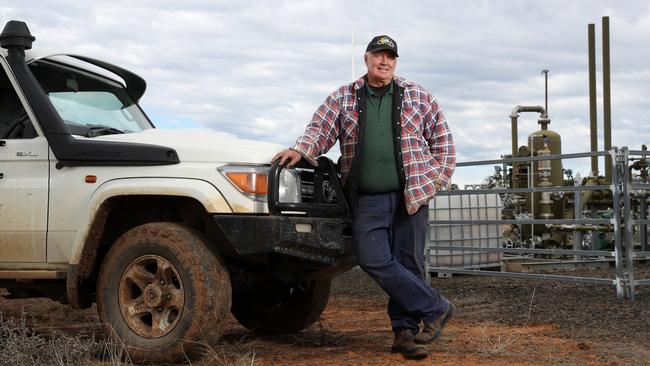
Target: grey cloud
(259, 69)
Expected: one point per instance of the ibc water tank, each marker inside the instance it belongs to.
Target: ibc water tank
(469, 207)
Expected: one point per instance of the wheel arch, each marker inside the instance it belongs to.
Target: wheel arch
(120, 205)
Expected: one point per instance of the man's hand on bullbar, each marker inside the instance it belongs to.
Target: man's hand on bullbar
(288, 156)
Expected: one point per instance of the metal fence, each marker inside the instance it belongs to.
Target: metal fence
(636, 221)
(464, 233)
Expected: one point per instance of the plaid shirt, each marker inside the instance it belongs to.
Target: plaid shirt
(427, 147)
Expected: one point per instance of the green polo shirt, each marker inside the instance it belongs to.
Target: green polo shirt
(378, 170)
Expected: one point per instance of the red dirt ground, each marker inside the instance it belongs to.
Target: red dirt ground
(498, 322)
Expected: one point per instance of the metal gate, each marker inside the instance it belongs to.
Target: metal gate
(465, 228)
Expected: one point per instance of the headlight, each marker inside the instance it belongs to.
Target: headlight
(289, 186)
(253, 182)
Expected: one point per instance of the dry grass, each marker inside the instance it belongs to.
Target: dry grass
(239, 352)
(500, 343)
(495, 345)
(21, 345)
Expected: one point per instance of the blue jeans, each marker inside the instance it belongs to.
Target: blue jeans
(389, 245)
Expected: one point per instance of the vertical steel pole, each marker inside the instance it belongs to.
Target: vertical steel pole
(531, 184)
(607, 104)
(483, 257)
(643, 215)
(627, 217)
(618, 247)
(592, 98)
(577, 234)
(514, 134)
(462, 229)
(514, 140)
(545, 72)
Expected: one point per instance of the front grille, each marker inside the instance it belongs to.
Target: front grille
(325, 192)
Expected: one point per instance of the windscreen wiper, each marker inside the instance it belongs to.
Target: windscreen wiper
(101, 130)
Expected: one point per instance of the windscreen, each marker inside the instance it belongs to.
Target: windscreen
(89, 104)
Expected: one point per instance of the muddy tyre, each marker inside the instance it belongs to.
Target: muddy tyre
(274, 308)
(162, 293)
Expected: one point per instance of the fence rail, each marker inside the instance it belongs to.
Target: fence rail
(465, 235)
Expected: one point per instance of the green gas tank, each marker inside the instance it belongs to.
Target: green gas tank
(544, 140)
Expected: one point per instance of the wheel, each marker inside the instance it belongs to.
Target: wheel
(275, 308)
(162, 293)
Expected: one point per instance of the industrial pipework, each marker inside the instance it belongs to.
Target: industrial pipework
(514, 116)
(607, 104)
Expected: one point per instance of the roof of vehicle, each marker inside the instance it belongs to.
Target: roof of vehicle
(135, 85)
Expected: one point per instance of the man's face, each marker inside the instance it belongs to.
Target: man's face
(381, 65)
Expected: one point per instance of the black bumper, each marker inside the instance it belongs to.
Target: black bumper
(318, 240)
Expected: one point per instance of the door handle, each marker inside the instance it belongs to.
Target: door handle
(2, 143)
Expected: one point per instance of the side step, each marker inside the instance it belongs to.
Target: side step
(31, 274)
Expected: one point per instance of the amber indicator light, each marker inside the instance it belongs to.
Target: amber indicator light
(249, 182)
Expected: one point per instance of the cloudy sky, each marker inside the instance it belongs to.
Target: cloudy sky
(258, 69)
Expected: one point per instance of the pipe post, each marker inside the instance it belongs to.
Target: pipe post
(514, 134)
(607, 102)
(592, 97)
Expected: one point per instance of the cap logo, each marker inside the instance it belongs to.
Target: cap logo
(385, 41)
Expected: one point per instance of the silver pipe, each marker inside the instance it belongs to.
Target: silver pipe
(607, 228)
(514, 120)
(528, 108)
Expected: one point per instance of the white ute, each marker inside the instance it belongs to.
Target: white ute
(166, 231)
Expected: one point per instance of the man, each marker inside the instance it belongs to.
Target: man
(397, 150)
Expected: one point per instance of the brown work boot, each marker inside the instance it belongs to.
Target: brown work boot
(404, 344)
(432, 331)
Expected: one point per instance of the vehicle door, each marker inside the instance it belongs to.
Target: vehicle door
(23, 179)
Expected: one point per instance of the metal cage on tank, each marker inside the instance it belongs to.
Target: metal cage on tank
(443, 235)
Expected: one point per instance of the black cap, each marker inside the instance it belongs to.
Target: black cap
(382, 43)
